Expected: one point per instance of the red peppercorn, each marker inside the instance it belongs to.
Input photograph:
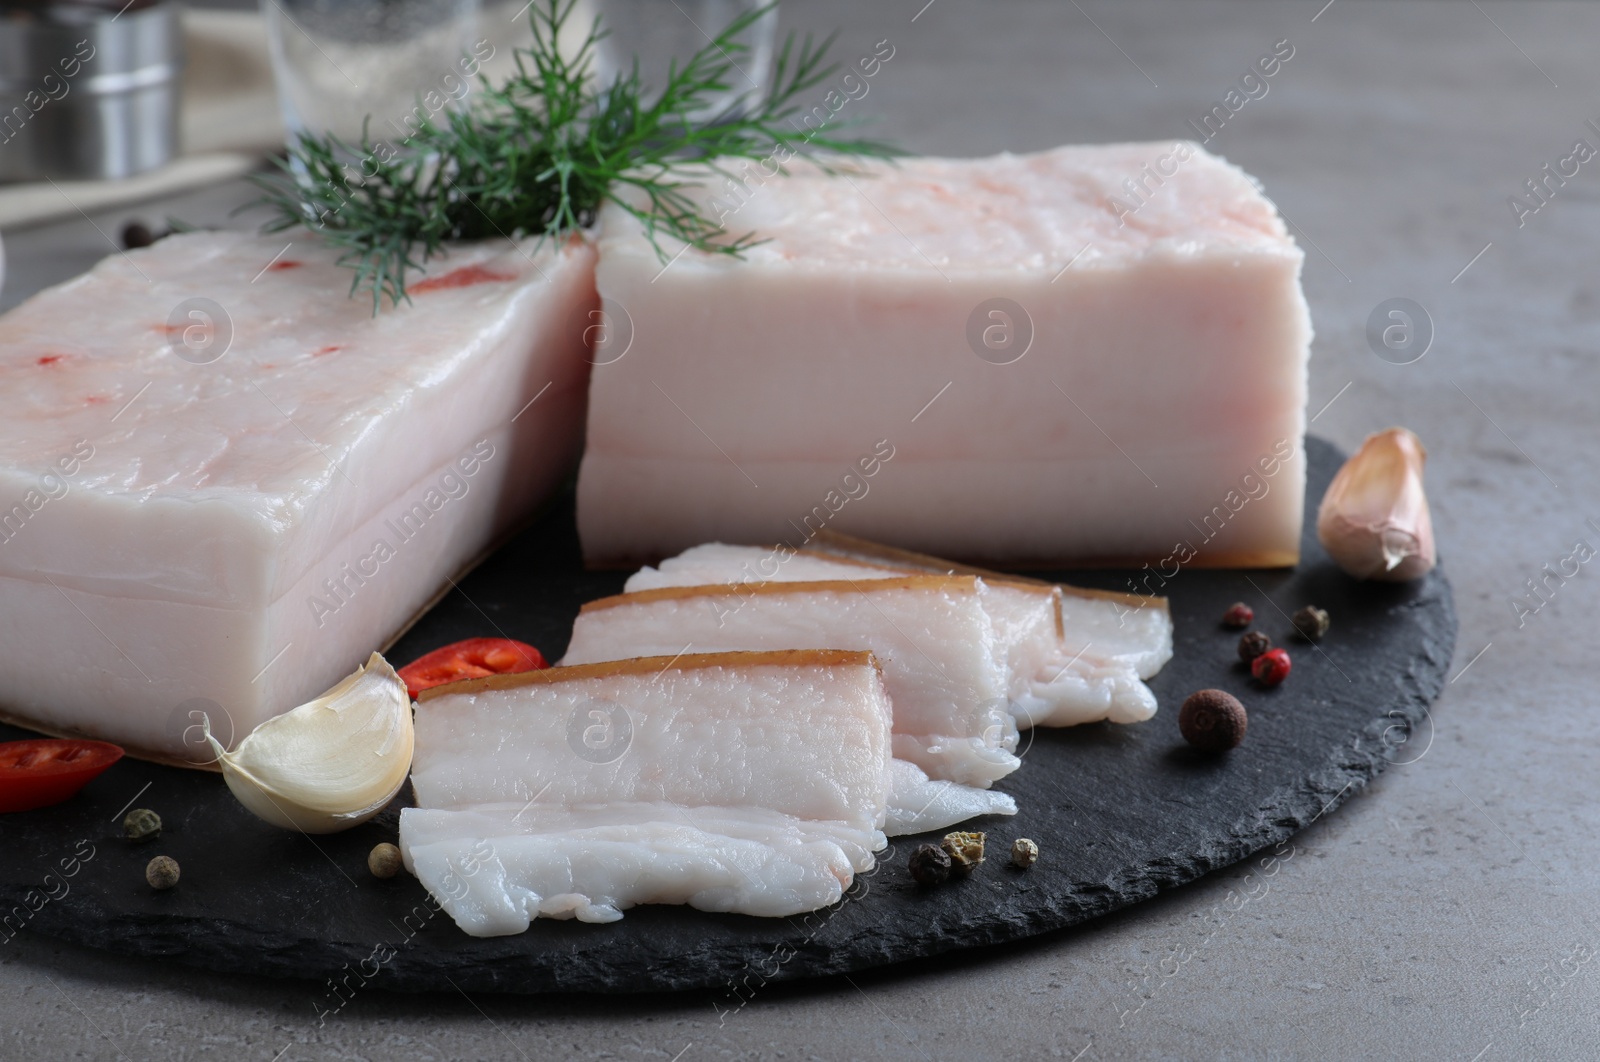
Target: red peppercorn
(1239, 616)
(1271, 667)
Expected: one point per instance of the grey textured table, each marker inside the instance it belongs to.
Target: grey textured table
(1443, 913)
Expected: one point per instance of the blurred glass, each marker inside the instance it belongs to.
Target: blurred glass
(660, 31)
(337, 61)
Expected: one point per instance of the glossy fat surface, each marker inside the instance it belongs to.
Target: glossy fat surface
(1167, 357)
(942, 667)
(222, 540)
(268, 426)
(756, 789)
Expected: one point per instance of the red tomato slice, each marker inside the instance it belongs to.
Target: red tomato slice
(46, 771)
(473, 658)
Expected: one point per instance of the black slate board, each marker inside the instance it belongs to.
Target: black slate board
(1120, 812)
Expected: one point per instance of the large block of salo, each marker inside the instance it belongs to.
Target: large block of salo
(223, 481)
(754, 783)
(1089, 354)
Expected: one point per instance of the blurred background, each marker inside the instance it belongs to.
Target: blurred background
(105, 104)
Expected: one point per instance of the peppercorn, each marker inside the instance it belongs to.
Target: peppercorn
(1212, 720)
(136, 234)
(1271, 667)
(1253, 645)
(142, 824)
(162, 872)
(384, 860)
(1311, 622)
(1024, 853)
(965, 848)
(1238, 616)
(930, 865)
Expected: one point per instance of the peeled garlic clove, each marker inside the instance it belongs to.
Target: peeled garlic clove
(1374, 519)
(329, 764)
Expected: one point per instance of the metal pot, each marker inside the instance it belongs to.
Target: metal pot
(88, 91)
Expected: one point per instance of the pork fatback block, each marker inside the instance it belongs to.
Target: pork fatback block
(1085, 355)
(226, 504)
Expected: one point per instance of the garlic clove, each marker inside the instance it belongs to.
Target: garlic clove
(331, 763)
(1374, 519)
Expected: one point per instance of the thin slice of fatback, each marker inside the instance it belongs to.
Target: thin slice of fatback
(755, 783)
(918, 803)
(1134, 629)
(1057, 673)
(943, 668)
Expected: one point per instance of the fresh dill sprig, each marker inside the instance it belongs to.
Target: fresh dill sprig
(542, 152)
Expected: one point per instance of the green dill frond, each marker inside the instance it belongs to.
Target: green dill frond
(541, 153)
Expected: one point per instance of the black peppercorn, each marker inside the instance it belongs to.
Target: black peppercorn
(1311, 622)
(930, 865)
(136, 234)
(1212, 720)
(1253, 645)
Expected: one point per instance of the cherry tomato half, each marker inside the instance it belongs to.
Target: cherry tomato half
(473, 658)
(46, 771)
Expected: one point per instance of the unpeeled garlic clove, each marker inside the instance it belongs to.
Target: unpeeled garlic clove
(1374, 519)
(331, 763)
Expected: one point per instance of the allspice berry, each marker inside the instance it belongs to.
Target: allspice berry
(1253, 645)
(1311, 622)
(141, 824)
(1024, 853)
(162, 872)
(384, 860)
(1212, 720)
(930, 865)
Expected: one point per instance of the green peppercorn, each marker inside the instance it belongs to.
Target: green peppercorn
(1024, 853)
(930, 865)
(1253, 645)
(965, 849)
(162, 872)
(384, 860)
(1311, 622)
(142, 824)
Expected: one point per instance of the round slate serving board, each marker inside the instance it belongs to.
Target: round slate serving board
(1119, 812)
